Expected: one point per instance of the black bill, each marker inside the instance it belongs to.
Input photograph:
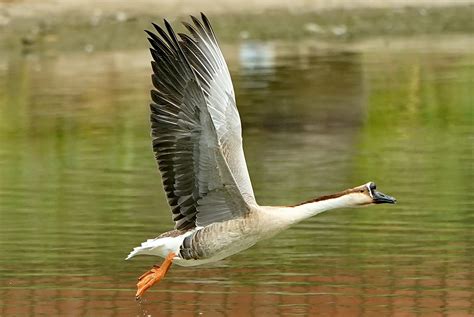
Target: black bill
(381, 198)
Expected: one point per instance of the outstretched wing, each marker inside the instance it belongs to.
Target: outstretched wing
(196, 128)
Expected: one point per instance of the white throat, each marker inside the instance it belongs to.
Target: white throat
(310, 209)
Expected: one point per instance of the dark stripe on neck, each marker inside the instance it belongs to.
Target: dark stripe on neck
(325, 197)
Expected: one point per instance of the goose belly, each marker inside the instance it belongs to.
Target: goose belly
(221, 254)
(218, 241)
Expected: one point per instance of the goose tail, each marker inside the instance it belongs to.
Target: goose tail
(157, 247)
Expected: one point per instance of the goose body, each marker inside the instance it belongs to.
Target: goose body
(197, 142)
(219, 240)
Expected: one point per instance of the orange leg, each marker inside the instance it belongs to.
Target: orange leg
(153, 276)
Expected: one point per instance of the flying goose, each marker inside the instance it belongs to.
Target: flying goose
(197, 141)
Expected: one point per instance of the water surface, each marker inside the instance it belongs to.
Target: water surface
(79, 187)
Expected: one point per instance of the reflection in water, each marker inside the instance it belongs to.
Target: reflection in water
(79, 186)
(257, 55)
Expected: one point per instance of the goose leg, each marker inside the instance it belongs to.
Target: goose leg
(148, 279)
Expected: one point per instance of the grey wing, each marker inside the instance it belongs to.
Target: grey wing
(196, 129)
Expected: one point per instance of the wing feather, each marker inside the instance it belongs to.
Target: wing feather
(196, 128)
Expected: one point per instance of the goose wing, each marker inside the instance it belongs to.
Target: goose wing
(196, 128)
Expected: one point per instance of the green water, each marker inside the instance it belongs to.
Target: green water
(79, 187)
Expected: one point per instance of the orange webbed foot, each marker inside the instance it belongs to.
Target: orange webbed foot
(156, 274)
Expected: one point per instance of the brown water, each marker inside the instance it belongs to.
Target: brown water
(79, 186)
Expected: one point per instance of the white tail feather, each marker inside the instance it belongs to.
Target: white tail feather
(149, 247)
(159, 247)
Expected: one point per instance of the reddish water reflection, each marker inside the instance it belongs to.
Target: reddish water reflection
(372, 293)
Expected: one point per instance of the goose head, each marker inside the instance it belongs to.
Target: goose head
(368, 194)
